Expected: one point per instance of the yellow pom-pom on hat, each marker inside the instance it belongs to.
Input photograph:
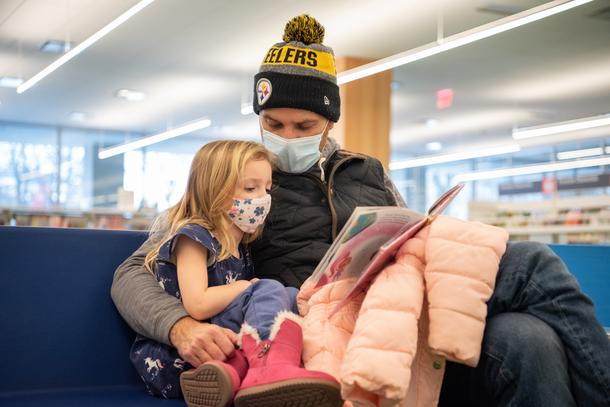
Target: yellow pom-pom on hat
(305, 29)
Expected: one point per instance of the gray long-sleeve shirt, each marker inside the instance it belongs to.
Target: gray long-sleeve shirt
(141, 301)
(146, 307)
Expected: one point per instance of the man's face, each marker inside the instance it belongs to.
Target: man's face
(291, 123)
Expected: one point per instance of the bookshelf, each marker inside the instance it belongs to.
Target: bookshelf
(584, 220)
(98, 218)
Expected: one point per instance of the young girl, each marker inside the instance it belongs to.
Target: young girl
(202, 260)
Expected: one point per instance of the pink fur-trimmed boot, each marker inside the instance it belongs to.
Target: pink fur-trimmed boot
(275, 376)
(214, 383)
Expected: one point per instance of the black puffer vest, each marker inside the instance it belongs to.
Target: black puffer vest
(307, 213)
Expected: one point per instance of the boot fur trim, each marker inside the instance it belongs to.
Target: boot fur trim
(248, 330)
(281, 317)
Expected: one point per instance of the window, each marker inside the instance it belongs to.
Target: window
(28, 166)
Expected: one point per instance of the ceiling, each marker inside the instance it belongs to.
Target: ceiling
(195, 59)
(553, 70)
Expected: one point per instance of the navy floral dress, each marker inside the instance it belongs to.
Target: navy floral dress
(159, 365)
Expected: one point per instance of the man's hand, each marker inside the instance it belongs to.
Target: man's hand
(200, 342)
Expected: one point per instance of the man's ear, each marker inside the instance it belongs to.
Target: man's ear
(325, 135)
(323, 141)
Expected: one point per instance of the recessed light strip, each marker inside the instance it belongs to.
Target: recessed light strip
(157, 138)
(460, 39)
(531, 169)
(586, 152)
(83, 45)
(562, 127)
(445, 158)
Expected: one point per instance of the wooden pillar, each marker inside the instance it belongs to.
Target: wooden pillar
(364, 126)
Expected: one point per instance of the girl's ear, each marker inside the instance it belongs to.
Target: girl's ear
(229, 204)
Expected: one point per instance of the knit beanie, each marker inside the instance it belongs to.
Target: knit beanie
(299, 72)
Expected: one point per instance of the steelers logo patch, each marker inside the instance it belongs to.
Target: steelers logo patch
(263, 90)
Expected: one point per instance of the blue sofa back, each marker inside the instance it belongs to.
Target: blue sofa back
(591, 267)
(57, 315)
(60, 329)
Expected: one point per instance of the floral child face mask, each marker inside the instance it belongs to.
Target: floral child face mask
(249, 213)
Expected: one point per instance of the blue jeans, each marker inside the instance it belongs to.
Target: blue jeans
(543, 345)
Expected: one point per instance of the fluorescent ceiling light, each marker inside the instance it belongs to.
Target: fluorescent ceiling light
(563, 127)
(157, 138)
(463, 155)
(10, 81)
(460, 39)
(587, 152)
(84, 45)
(247, 109)
(131, 95)
(531, 169)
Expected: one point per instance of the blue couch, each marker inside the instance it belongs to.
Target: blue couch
(64, 343)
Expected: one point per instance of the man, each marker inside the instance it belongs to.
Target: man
(542, 346)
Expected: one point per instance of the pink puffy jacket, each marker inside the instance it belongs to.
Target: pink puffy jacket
(387, 347)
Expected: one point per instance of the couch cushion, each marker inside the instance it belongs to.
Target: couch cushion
(60, 328)
(132, 396)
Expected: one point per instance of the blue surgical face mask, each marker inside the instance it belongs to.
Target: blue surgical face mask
(294, 155)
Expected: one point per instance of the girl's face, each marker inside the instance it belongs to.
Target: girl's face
(255, 181)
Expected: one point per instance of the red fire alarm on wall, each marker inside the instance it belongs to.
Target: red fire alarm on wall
(444, 98)
(549, 185)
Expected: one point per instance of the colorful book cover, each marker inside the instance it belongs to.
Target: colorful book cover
(369, 241)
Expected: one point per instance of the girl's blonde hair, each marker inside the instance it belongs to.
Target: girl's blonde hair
(213, 177)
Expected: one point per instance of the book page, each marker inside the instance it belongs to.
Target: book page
(388, 250)
(383, 257)
(441, 203)
(368, 230)
(330, 253)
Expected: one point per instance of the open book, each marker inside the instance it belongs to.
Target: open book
(370, 239)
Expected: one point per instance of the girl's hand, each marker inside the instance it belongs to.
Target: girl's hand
(242, 284)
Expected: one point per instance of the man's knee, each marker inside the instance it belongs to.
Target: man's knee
(524, 362)
(527, 250)
(534, 261)
(522, 339)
